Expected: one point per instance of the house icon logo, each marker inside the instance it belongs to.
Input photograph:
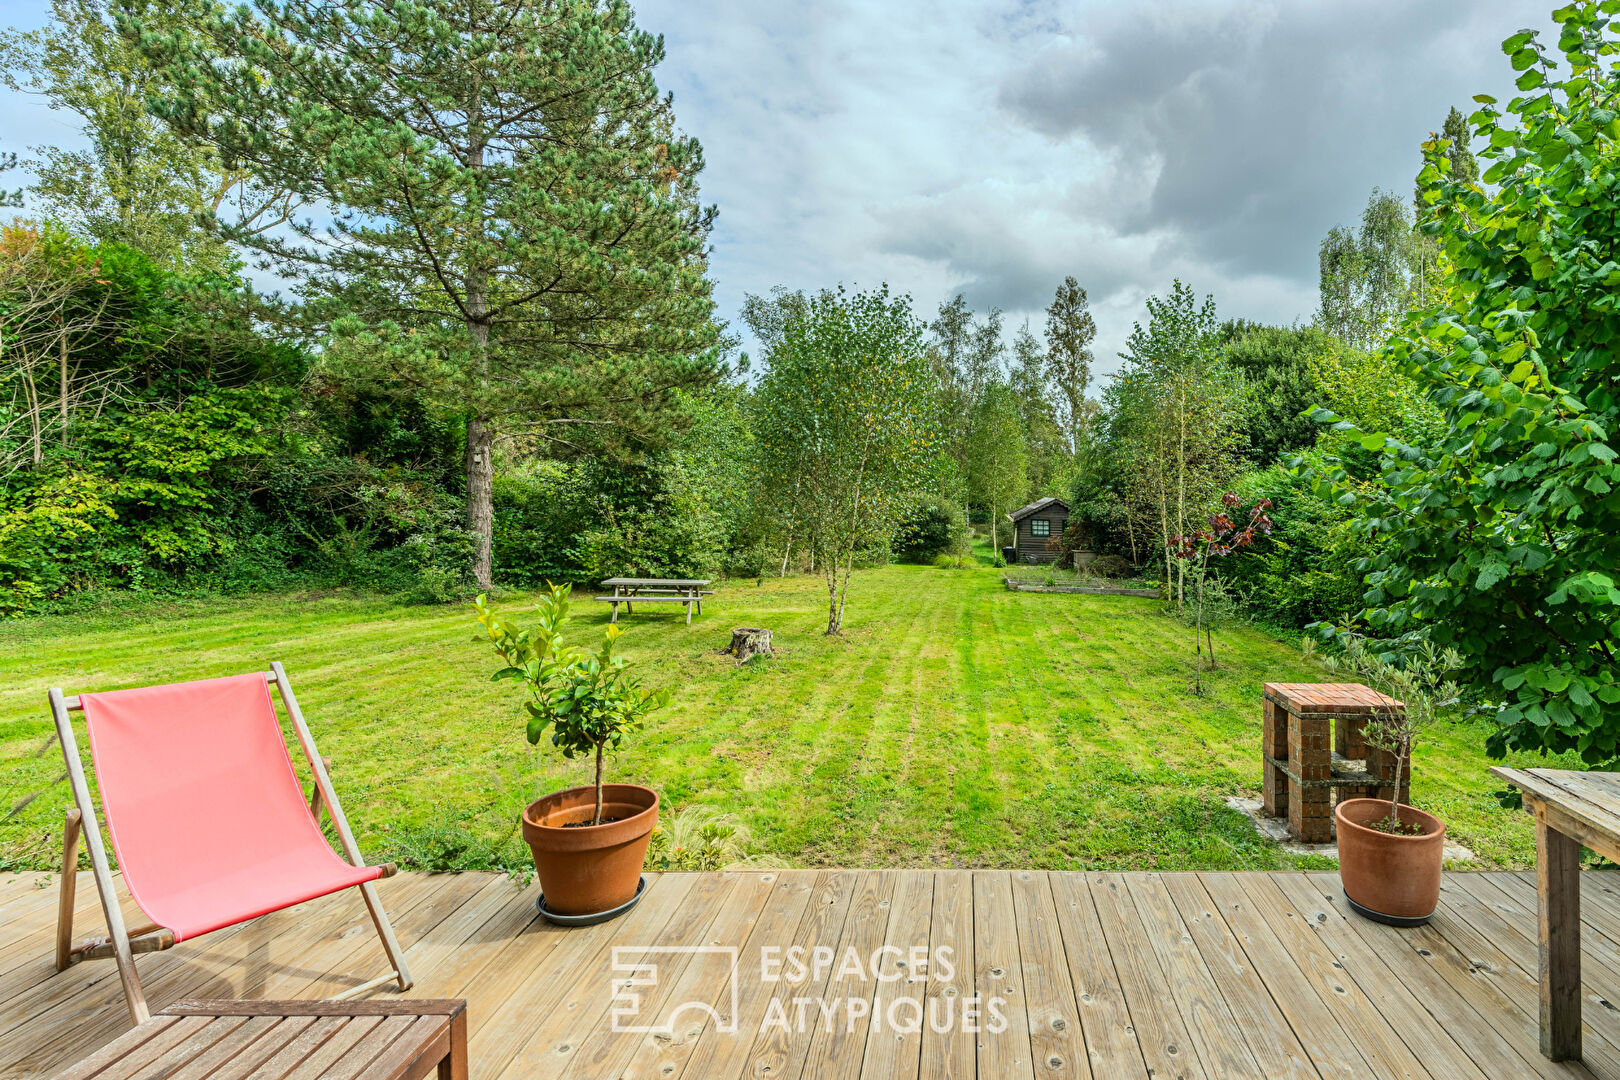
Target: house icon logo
(636, 979)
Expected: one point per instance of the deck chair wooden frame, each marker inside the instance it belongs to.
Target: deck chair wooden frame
(122, 943)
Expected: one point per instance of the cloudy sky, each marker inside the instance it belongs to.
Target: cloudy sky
(993, 148)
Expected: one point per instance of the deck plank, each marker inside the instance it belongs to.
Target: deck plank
(1101, 974)
(1056, 1037)
(837, 1041)
(734, 999)
(1356, 1011)
(1447, 984)
(948, 1050)
(1507, 959)
(1276, 1050)
(1105, 1021)
(1204, 1011)
(681, 978)
(1442, 1052)
(1494, 916)
(894, 1038)
(1332, 1050)
(1003, 1030)
(775, 1048)
(1160, 1031)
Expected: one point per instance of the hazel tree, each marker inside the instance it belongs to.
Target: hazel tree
(514, 227)
(848, 429)
(1498, 535)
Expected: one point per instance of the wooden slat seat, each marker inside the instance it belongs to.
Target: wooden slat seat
(234, 1040)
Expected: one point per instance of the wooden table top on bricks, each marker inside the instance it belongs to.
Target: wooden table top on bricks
(1571, 808)
(379, 1039)
(1311, 742)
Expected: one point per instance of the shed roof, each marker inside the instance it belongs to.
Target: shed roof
(1039, 504)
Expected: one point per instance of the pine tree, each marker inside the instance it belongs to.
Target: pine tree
(515, 230)
(1070, 330)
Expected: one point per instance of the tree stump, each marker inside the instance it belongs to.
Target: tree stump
(748, 642)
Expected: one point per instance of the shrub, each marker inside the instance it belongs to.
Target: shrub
(698, 838)
(934, 528)
(1109, 566)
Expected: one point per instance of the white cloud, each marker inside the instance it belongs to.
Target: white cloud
(994, 148)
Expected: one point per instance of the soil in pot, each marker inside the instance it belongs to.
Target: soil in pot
(1390, 876)
(585, 868)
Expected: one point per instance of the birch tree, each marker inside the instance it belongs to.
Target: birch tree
(1182, 411)
(848, 429)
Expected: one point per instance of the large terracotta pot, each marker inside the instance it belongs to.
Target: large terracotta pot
(1386, 876)
(587, 869)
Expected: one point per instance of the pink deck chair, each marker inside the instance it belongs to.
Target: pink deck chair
(207, 816)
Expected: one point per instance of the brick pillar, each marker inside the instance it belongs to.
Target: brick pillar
(1347, 738)
(1274, 744)
(1310, 808)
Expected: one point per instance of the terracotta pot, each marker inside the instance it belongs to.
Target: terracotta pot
(590, 868)
(1387, 876)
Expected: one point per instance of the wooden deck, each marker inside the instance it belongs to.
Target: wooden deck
(1198, 976)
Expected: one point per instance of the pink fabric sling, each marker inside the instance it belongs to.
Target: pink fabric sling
(206, 814)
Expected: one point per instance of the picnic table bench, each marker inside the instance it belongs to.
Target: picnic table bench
(688, 591)
(1572, 808)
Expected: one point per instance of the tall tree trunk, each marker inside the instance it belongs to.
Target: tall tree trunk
(829, 567)
(481, 497)
(480, 431)
(62, 371)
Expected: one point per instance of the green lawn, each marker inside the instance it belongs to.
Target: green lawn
(953, 724)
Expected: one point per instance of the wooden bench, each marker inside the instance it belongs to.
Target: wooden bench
(628, 591)
(380, 1039)
(1571, 808)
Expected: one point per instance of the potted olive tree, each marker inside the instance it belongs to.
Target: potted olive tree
(1391, 853)
(589, 843)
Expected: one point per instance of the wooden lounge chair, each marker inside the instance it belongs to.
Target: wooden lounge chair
(207, 817)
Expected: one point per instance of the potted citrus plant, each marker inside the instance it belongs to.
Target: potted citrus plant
(589, 843)
(1390, 852)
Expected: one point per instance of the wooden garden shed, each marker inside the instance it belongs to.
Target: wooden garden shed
(1038, 530)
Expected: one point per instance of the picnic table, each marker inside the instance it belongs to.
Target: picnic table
(1572, 808)
(381, 1039)
(628, 590)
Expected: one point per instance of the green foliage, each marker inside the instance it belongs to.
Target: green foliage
(590, 701)
(935, 528)
(1500, 536)
(1305, 570)
(450, 841)
(514, 222)
(1371, 276)
(1070, 330)
(698, 839)
(1175, 422)
(682, 511)
(848, 429)
(998, 456)
(1279, 364)
(136, 181)
(1409, 670)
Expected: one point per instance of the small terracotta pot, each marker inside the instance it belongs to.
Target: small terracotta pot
(1387, 876)
(590, 868)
